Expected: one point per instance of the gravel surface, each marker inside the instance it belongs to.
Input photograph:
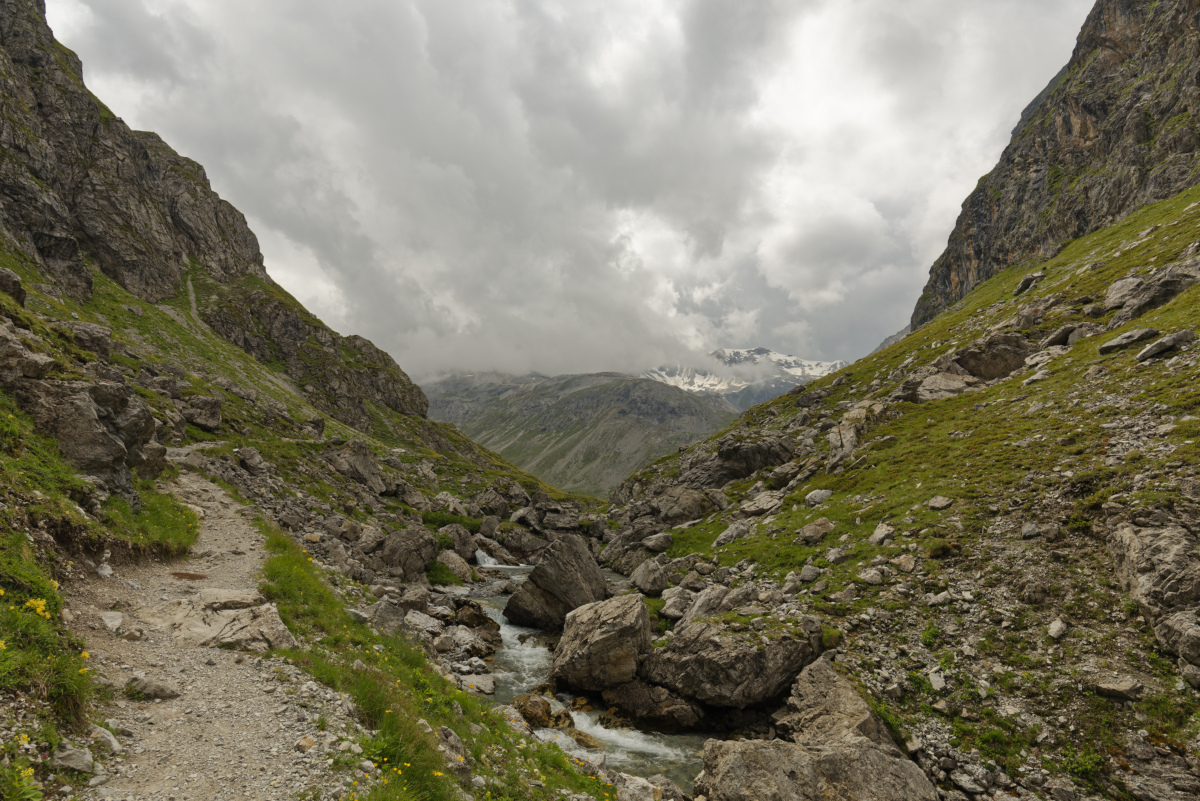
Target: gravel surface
(238, 728)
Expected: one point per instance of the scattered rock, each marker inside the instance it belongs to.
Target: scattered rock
(1167, 343)
(1127, 339)
(939, 503)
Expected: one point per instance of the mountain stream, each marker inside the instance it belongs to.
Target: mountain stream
(523, 662)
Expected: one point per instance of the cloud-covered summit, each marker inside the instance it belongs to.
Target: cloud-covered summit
(571, 186)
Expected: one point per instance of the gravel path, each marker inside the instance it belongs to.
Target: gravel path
(234, 729)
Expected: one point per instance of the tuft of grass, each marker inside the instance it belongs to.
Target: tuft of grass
(436, 520)
(440, 575)
(162, 524)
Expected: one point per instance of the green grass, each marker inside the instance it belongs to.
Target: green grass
(161, 525)
(440, 575)
(436, 520)
(397, 688)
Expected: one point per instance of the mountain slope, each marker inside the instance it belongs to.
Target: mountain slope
(583, 433)
(1117, 132)
(1000, 513)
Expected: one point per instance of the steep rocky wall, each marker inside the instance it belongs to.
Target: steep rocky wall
(1117, 132)
(80, 190)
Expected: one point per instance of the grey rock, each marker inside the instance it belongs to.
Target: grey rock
(457, 565)
(203, 412)
(1121, 291)
(650, 579)
(815, 531)
(817, 497)
(224, 618)
(939, 503)
(79, 759)
(409, 552)
(10, 283)
(1126, 689)
(659, 542)
(104, 737)
(566, 578)
(1158, 567)
(708, 662)
(1160, 289)
(1057, 629)
(837, 749)
(151, 688)
(1127, 339)
(602, 644)
(463, 540)
(1166, 344)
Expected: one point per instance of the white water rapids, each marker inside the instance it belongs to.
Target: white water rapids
(521, 666)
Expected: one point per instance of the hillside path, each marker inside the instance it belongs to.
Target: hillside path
(232, 732)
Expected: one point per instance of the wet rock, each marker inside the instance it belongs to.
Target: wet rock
(654, 707)
(708, 662)
(566, 578)
(602, 643)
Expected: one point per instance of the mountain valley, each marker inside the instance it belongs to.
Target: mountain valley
(246, 556)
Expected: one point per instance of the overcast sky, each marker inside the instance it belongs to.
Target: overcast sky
(583, 185)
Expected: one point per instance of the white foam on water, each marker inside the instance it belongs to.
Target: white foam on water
(484, 560)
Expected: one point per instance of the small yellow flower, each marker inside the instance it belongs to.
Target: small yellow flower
(3, 646)
(86, 655)
(82, 671)
(437, 773)
(24, 739)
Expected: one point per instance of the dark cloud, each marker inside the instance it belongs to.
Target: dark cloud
(560, 185)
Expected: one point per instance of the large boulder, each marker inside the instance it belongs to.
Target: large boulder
(1160, 289)
(409, 553)
(602, 643)
(839, 750)
(203, 411)
(997, 356)
(650, 578)
(1179, 634)
(462, 541)
(566, 578)
(357, 463)
(103, 428)
(708, 661)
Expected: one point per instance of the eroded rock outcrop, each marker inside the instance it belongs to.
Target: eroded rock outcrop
(838, 749)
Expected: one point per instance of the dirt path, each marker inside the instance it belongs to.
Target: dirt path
(233, 730)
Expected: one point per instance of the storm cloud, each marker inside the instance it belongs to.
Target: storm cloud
(582, 185)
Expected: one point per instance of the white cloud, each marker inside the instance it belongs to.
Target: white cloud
(575, 185)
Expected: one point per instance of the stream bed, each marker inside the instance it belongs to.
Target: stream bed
(521, 666)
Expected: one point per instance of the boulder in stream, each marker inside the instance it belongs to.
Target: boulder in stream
(566, 578)
(602, 643)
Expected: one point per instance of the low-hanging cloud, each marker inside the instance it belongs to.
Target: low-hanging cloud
(577, 185)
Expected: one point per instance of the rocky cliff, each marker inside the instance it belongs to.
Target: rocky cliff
(1115, 131)
(583, 433)
(80, 191)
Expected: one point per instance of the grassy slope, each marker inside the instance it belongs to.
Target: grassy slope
(1003, 459)
(38, 491)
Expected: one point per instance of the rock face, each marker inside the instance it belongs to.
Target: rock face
(706, 661)
(78, 184)
(602, 644)
(566, 579)
(838, 749)
(1097, 147)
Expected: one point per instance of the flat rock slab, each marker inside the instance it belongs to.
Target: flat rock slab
(206, 620)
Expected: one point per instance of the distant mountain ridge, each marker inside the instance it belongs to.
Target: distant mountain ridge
(744, 376)
(580, 432)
